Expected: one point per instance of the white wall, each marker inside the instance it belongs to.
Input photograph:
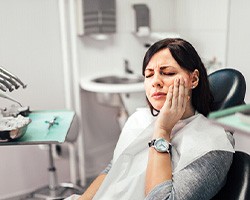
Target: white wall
(238, 54)
(30, 48)
(103, 56)
(239, 41)
(204, 24)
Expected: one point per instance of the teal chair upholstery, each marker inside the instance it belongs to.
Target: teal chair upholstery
(228, 87)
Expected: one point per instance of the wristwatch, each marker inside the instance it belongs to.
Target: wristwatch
(161, 145)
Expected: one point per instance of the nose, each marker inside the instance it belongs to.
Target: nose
(157, 81)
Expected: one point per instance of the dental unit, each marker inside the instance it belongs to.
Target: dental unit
(9, 81)
(13, 120)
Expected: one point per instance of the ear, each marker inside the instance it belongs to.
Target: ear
(195, 78)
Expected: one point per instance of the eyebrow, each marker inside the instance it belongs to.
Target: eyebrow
(161, 68)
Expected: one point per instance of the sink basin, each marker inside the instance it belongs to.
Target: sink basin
(113, 83)
(115, 79)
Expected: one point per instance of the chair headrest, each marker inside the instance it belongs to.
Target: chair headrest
(228, 87)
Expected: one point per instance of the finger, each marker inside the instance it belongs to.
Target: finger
(175, 93)
(182, 94)
(186, 96)
(168, 102)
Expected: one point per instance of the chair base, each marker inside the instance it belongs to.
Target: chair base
(61, 191)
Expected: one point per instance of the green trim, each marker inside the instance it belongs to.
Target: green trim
(228, 111)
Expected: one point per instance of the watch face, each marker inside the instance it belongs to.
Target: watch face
(161, 145)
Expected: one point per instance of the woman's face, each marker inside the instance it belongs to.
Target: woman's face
(160, 73)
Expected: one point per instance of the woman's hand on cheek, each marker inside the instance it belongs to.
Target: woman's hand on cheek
(173, 108)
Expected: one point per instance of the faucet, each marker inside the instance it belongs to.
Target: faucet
(126, 66)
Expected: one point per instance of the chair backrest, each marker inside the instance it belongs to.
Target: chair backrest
(228, 87)
(237, 186)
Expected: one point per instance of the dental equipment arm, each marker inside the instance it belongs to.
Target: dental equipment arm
(9, 98)
(10, 77)
(9, 82)
(6, 84)
(3, 87)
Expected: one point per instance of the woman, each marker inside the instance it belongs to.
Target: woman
(187, 157)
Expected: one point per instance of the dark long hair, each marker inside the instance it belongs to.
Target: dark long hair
(187, 57)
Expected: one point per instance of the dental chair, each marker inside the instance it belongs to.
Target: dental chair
(237, 185)
(228, 87)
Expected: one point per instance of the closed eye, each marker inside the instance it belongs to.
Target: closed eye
(168, 73)
(149, 75)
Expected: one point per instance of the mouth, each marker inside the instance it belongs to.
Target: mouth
(158, 95)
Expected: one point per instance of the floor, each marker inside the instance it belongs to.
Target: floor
(59, 193)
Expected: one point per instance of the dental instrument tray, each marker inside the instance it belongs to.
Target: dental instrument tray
(12, 128)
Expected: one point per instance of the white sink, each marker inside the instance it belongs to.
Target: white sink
(113, 83)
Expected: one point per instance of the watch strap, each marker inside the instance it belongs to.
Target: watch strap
(151, 143)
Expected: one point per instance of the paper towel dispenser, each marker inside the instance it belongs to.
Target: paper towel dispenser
(142, 19)
(99, 18)
(143, 27)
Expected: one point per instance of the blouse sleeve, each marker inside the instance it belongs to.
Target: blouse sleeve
(202, 179)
